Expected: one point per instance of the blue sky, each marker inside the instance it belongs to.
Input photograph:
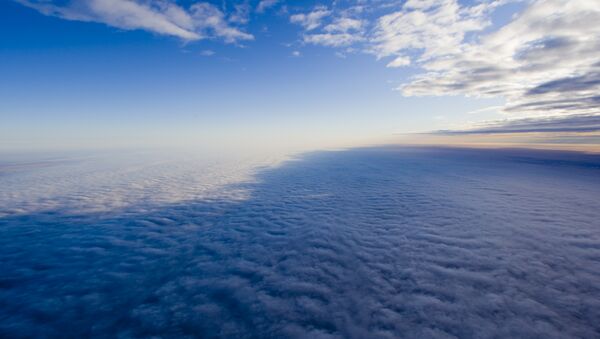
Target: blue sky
(128, 73)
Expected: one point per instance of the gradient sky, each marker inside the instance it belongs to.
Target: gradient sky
(113, 73)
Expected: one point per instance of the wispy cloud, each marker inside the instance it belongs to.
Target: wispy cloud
(486, 109)
(399, 62)
(331, 39)
(340, 32)
(311, 20)
(263, 5)
(207, 52)
(579, 123)
(198, 21)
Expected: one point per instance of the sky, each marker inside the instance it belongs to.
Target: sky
(310, 74)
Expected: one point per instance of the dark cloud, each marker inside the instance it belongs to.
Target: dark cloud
(381, 242)
(575, 123)
(568, 84)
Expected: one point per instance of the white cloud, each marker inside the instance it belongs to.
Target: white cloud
(399, 62)
(486, 109)
(209, 18)
(545, 62)
(421, 4)
(344, 25)
(241, 13)
(265, 4)
(199, 21)
(437, 28)
(331, 40)
(311, 20)
(296, 53)
(207, 53)
(342, 31)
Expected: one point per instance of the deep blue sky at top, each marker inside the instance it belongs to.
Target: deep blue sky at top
(68, 81)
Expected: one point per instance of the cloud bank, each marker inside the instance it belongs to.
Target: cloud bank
(365, 243)
(200, 20)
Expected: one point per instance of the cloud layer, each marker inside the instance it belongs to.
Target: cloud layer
(377, 243)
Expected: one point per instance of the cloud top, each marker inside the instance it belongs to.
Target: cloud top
(364, 243)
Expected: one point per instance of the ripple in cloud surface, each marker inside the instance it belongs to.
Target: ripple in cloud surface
(373, 242)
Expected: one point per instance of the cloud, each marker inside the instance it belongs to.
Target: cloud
(331, 39)
(311, 20)
(399, 62)
(579, 123)
(437, 28)
(207, 52)
(240, 14)
(382, 242)
(210, 19)
(340, 32)
(344, 25)
(198, 21)
(585, 82)
(544, 62)
(263, 5)
(486, 109)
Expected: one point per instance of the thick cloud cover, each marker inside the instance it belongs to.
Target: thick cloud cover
(379, 242)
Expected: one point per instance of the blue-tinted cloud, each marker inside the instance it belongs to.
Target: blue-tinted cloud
(568, 84)
(376, 243)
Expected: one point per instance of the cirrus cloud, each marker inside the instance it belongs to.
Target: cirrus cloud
(199, 21)
(311, 20)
